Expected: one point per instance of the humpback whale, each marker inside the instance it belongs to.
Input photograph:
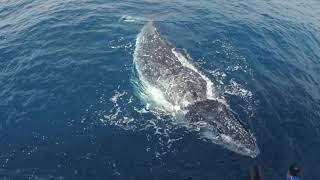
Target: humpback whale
(161, 66)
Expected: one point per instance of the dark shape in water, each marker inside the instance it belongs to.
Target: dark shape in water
(157, 63)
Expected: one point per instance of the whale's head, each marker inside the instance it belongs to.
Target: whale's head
(218, 123)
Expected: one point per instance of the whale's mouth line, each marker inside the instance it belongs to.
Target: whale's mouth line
(156, 99)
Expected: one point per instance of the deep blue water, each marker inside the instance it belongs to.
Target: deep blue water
(68, 109)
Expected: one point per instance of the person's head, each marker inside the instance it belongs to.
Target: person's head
(294, 169)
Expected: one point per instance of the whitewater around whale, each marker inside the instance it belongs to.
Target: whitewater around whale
(176, 86)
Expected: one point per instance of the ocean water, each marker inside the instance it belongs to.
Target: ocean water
(69, 109)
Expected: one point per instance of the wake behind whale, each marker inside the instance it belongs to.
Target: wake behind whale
(176, 85)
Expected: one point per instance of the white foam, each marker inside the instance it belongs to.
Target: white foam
(117, 95)
(237, 89)
(155, 96)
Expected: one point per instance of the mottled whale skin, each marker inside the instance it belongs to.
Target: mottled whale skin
(157, 64)
(161, 68)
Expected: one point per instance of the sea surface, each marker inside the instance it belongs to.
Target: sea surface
(69, 109)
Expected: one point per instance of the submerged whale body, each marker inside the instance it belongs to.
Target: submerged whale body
(161, 66)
